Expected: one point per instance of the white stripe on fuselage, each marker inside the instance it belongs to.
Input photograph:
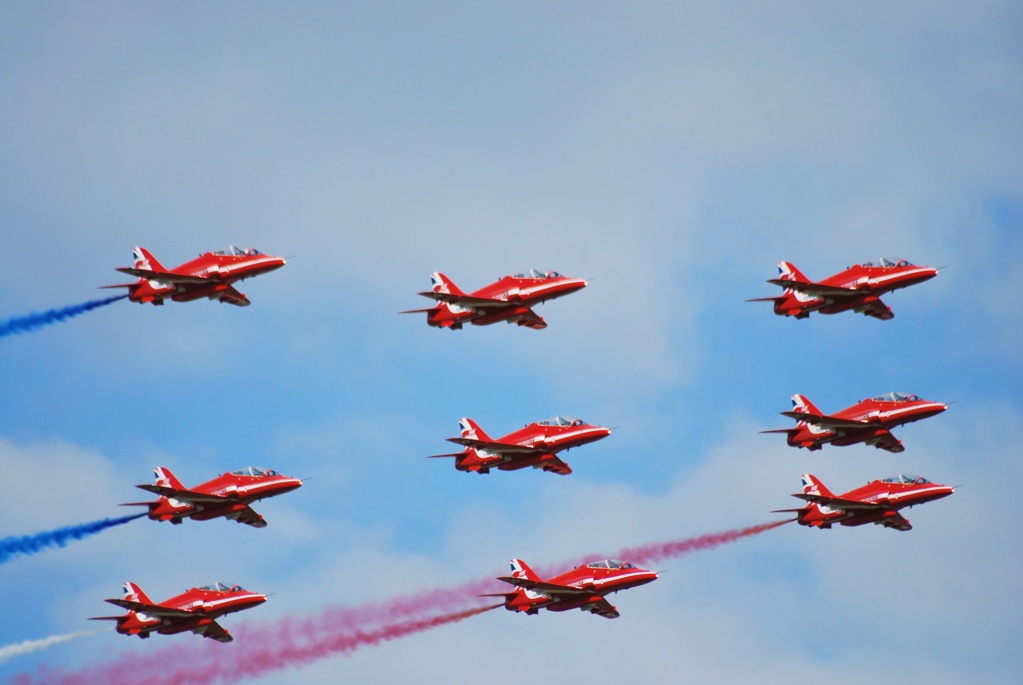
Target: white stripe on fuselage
(915, 408)
(256, 486)
(620, 577)
(913, 493)
(539, 288)
(229, 600)
(227, 269)
(554, 439)
(890, 277)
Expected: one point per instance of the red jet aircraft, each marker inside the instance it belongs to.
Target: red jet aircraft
(876, 502)
(868, 421)
(584, 587)
(534, 445)
(510, 299)
(194, 610)
(209, 275)
(227, 495)
(858, 288)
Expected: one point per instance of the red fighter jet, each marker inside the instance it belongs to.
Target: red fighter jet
(857, 288)
(876, 502)
(534, 445)
(584, 587)
(869, 421)
(510, 299)
(194, 610)
(209, 275)
(227, 495)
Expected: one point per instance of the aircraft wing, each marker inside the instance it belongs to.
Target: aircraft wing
(467, 300)
(491, 446)
(876, 309)
(829, 422)
(887, 441)
(555, 465)
(531, 320)
(839, 503)
(214, 631)
(549, 589)
(232, 296)
(152, 609)
(602, 607)
(815, 289)
(249, 517)
(164, 276)
(897, 522)
(184, 495)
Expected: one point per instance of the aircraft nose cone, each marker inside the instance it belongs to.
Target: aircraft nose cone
(649, 577)
(288, 484)
(252, 600)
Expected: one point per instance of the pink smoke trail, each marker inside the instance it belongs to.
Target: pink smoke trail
(659, 551)
(300, 640)
(277, 648)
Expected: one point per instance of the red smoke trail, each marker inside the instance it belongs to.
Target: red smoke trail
(659, 551)
(300, 640)
(264, 650)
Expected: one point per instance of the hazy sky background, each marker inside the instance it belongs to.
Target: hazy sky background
(672, 154)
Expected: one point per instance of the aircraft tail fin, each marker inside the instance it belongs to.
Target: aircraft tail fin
(166, 479)
(133, 593)
(790, 302)
(813, 486)
(787, 271)
(520, 569)
(443, 284)
(802, 405)
(144, 259)
(471, 430)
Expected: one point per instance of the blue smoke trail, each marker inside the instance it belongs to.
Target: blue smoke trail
(24, 324)
(30, 544)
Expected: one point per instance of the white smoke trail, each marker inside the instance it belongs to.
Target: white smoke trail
(8, 652)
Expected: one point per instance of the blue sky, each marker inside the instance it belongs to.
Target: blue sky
(671, 154)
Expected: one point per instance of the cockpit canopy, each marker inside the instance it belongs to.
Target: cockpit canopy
(887, 263)
(535, 273)
(608, 563)
(906, 478)
(896, 397)
(254, 471)
(563, 421)
(233, 251)
(223, 587)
